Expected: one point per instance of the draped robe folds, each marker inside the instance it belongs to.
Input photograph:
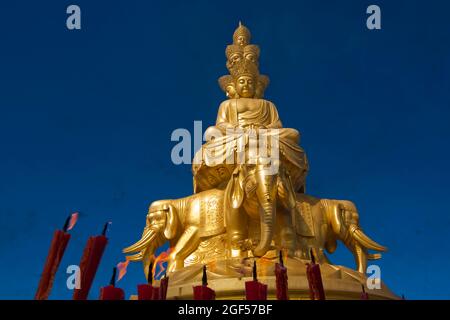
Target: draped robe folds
(218, 158)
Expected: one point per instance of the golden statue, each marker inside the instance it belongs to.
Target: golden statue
(249, 202)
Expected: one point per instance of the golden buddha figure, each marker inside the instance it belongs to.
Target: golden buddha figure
(256, 119)
(250, 203)
(247, 109)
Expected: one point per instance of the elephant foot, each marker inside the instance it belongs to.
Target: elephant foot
(288, 238)
(174, 265)
(239, 241)
(240, 248)
(288, 248)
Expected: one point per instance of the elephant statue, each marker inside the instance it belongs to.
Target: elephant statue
(253, 196)
(319, 223)
(248, 201)
(312, 225)
(184, 222)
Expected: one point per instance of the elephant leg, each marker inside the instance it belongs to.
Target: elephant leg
(237, 231)
(287, 235)
(187, 244)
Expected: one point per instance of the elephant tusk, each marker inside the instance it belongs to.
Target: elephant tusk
(135, 257)
(363, 239)
(148, 236)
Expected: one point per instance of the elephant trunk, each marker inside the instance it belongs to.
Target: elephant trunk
(364, 240)
(266, 193)
(147, 237)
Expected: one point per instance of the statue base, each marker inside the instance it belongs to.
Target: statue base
(228, 277)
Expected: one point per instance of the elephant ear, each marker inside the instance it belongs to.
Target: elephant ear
(234, 192)
(171, 223)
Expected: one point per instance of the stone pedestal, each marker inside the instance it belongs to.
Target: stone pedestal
(228, 277)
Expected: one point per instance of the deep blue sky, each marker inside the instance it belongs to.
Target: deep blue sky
(86, 119)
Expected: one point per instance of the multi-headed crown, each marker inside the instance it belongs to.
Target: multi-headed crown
(242, 59)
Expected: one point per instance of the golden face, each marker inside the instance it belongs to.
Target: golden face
(231, 92)
(241, 40)
(251, 57)
(245, 86)
(235, 58)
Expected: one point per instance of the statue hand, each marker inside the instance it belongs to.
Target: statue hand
(224, 126)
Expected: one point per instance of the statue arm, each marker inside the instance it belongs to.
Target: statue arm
(276, 122)
(223, 121)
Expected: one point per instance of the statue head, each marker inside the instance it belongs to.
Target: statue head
(245, 74)
(241, 35)
(234, 54)
(231, 91)
(245, 86)
(251, 53)
(226, 83)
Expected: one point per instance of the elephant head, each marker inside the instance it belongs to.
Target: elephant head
(185, 222)
(344, 220)
(161, 225)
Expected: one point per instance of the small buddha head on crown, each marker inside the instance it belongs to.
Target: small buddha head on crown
(234, 54)
(241, 35)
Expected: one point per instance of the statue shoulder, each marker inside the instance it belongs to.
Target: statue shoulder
(225, 105)
(269, 104)
(225, 113)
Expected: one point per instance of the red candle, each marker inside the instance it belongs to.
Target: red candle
(364, 294)
(164, 283)
(90, 261)
(281, 279)
(147, 291)
(203, 292)
(316, 291)
(111, 292)
(155, 293)
(57, 248)
(255, 290)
